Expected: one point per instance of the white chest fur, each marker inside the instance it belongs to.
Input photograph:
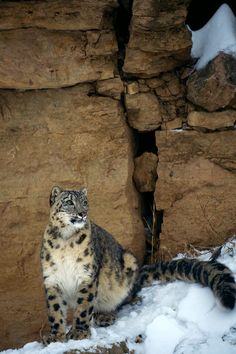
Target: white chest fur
(66, 272)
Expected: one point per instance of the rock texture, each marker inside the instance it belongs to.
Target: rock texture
(214, 87)
(156, 102)
(83, 15)
(159, 40)
(110, 88)
(145, 172)
(37, 58)
(196, 189)
(60, 137)
(212, 120)
(144, 111)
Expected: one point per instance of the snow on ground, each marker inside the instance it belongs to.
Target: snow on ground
(175, 318)
(219, 34)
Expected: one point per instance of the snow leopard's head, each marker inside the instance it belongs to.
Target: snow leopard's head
(69, 209)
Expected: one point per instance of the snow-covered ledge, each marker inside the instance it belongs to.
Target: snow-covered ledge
(218, 34)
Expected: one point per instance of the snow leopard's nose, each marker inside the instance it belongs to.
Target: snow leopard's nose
(82, 215)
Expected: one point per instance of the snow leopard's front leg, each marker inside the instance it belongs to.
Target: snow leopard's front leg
(57, 309)
(84, 311)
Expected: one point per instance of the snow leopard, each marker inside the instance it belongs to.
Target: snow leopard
(85, 269)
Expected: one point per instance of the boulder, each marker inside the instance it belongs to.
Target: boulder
(145, 172)
(159, 41)
(64, 137)
(196, 189)
(214, 87)
(144, 111)
(37, 58)
(212, 120)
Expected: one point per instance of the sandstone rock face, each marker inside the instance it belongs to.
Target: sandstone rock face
(57, 137)
(37, 58)
(212, 120)
(145, 172)
(196, 188)
(214, 87)
(111, 88)
(80, 15)
(159, 40)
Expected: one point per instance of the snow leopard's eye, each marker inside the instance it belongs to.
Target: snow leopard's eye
(69, 202)
(85, 203)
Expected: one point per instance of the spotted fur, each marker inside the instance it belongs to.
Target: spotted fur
(84, 268)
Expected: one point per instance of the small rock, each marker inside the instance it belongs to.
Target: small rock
(212, 120)
(144, 111)
(132, 88)
(172, 124)
(145, 174)
(110, 88)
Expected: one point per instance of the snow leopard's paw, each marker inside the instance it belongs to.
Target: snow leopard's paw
(81, 334)
(59, 337)
(104, 319)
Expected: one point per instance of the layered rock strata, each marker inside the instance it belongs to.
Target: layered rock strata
(159, 40)
(196, 189)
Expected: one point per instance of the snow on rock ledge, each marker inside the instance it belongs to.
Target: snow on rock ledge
(219, 34)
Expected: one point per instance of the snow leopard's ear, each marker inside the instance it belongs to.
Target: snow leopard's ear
(84, 191)
(56, 191)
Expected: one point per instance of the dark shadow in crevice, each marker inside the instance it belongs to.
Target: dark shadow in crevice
(121, 25)
(145, 142)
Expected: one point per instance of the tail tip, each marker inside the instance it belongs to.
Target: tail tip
(228, 301)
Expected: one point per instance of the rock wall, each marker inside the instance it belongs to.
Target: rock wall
(87, 99)
(62, 123)
(192, 115)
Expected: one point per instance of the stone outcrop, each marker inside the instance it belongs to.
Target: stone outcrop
(63, 137)
(38, 58)
(57, 43)
(145, 172)
(212, 120)
(196, 189)
(83, 15)
(159, 40)
(214, 87)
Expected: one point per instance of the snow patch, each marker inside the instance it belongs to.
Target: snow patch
(219, 34)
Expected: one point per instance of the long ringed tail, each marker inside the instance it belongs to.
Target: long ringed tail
(212, 274)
